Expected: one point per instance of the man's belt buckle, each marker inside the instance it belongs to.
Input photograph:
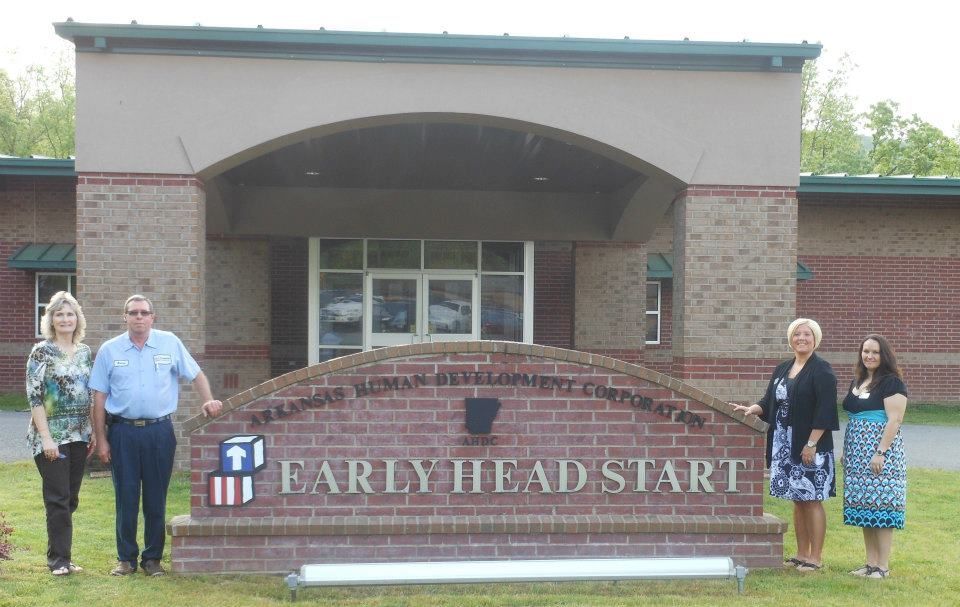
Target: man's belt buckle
(139, 422)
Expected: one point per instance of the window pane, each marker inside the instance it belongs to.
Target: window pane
(653, 328)
(447, 255)
(653, 297)
(501, 308)
(450, 309)
(394, 305)
(502, 256)
(341, 309)
(48, 284)
(341, 254)
(397, 254)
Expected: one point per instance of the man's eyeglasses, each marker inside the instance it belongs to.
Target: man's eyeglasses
(139, 313)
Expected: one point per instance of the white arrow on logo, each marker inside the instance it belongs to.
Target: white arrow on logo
(236, 454)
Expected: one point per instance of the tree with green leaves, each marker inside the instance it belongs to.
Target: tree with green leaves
(829, 141)
(909, 146)
(37, 111)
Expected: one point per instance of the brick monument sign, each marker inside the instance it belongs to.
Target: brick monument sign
(472, 450)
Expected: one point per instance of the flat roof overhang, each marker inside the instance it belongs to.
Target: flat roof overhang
(894, 185)
(37, 167)
(439, 180)
(436, 48)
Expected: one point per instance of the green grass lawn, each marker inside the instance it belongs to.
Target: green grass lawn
(13, 402)
(932, 415)
(923, 565)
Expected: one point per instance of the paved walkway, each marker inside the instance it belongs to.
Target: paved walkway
(935, 447)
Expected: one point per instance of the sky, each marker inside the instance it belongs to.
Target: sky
(904, 51)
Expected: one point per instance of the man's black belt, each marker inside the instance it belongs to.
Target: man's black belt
(116, 419)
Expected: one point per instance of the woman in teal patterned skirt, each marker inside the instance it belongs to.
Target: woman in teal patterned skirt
(60, 433)
(875, 468)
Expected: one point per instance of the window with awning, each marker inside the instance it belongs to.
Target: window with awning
(45, 257)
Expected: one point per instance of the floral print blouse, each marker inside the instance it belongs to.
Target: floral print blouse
(57, 382)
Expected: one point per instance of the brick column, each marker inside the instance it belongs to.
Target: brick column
(144, 234)
(610, 299)
(735, 254)
(238, 285)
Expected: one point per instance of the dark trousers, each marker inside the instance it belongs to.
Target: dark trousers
(141, 461)
(61, 496)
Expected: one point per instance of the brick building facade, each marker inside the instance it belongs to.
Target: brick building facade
(883, 258)
(221, 211)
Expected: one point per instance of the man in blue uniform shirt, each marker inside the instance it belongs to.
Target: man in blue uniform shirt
(135, 383)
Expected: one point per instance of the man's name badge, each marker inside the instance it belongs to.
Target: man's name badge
(121, 363)
(162, 359)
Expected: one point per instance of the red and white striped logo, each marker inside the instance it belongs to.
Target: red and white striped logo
(230, 490)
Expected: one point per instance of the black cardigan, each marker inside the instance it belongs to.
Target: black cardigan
(813, 404)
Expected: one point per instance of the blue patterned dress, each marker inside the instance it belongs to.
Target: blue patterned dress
(873, 500)
(57, 382)
(791, 479)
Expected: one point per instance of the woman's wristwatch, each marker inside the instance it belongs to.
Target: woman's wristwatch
(883, 453)
(811, 444)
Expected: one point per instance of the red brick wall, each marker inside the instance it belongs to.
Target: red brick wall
(912, 301)
(31, 210)
(427, 422)
(553, 294)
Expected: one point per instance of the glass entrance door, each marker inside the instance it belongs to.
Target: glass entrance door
(394, 310)
(408, 308)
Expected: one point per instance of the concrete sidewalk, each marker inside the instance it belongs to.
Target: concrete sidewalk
(936, 447)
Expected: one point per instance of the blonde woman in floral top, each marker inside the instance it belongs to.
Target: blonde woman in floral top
(60, 434)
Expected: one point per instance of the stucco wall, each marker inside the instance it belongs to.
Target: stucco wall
(667, 119)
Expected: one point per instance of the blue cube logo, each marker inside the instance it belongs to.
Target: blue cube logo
(242, 454)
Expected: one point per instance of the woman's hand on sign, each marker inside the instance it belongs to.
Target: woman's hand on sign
(753, 409)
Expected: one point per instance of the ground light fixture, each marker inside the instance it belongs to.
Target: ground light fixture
(544, 570)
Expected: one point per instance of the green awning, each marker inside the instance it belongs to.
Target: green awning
(660, 265)
(45, 256)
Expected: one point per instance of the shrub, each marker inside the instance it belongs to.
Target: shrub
(6, 548)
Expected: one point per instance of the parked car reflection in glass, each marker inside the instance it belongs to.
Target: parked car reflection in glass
(350, 309)
(451, 316)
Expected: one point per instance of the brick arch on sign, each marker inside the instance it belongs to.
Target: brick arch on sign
(360, 359)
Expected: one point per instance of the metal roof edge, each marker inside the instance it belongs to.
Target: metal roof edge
(894, 186)
(447, 48)
(38, 167)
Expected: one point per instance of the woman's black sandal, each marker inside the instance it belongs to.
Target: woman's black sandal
(805, 567)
